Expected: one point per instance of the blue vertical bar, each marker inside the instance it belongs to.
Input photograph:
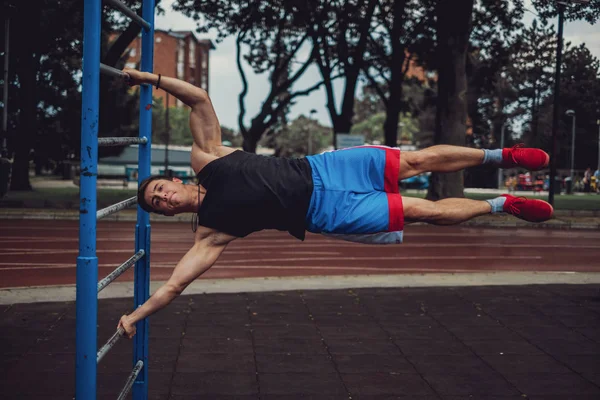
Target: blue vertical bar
(87, 262)
(142, 237)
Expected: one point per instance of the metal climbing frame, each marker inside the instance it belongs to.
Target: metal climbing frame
(87, 354)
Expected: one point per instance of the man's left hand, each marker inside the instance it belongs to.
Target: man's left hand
(127, 326)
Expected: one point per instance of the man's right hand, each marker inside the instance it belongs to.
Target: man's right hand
(135, 77)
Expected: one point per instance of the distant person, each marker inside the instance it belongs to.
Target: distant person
(350, 194)
(511, 183)
(587, 180)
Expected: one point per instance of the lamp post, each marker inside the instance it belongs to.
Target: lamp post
(598, 123)
(571, 113)
(167, 136)
(312, 112)
(561, 10)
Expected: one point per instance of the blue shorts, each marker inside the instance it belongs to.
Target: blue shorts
(355, 191)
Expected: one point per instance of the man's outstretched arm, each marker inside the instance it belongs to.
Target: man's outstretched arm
(197, 260)
(204, 123)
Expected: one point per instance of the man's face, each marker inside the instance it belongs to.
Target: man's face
(166, 196)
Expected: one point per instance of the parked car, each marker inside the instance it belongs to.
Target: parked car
(419, 182)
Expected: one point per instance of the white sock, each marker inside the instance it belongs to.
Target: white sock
(492, 156)
(497, 204)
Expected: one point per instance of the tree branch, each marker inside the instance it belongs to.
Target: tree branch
(377, 87)
(244, 91)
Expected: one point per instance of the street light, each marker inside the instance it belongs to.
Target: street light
(313, 111)
(598, 123)
(561, 9)
(571, 113)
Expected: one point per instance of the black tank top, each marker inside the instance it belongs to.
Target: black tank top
(246, 193)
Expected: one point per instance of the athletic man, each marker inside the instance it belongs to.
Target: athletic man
(352, 193)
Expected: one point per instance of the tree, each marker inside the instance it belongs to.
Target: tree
(274, 36)
(228, 135)
(395, 44)
(373, 128)
(452, 32)
(580, 91)
(178, 128)
(45, 71)
(496, 26)
(532, 74)
(294, 139)
(587, 11)
(339, 31)
(367, 103)
(31, 70)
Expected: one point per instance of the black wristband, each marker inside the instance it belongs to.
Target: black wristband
(158, 81)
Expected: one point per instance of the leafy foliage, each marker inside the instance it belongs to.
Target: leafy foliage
(293, 140)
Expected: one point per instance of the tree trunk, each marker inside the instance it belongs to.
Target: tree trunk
(453, 28)
(249, 145)
(252, 136)
(390, 126)
(28, 61)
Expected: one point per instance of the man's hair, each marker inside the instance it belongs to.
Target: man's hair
(142, 188)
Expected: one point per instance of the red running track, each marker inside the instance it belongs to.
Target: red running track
(35, 253)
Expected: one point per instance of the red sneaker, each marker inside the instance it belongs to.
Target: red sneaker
(532, 159)
(532, 210)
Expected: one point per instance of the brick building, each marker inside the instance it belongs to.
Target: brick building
(178, 54)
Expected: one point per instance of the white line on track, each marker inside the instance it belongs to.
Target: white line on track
(256, 244)
(16, 252)
(387, 258)
(7, 266)
(282, 267)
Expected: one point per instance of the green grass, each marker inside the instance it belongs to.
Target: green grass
(68, 198)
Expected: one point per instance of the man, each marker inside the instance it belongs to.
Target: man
(351, 194)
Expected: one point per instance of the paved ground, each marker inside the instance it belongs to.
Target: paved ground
(283, 341)
(500, 343)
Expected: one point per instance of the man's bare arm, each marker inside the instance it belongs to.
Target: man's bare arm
(204, 123)
(206, 250)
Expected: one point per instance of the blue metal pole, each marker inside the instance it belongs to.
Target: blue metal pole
(87, 262)
(142, 237)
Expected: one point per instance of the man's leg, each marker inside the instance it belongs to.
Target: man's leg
(446, 158)
(456, 210)
(443, 212)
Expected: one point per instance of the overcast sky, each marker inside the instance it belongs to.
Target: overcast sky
(225, 83)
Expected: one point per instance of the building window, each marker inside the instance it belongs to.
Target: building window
(192, 54)
(158, 39)
(132, 52)
(204, 59)
(180, 58)
(130, 65)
